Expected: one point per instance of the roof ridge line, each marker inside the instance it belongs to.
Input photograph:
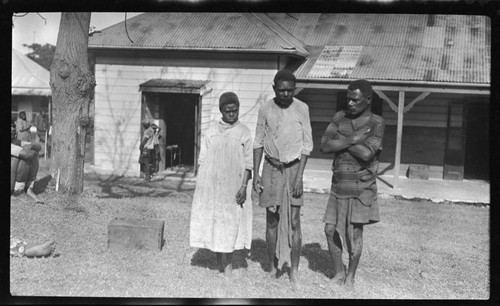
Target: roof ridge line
(280, 31)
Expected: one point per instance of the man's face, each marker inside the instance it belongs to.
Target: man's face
(23, 116)
(284, 91)
(357, 103)
(230, 113)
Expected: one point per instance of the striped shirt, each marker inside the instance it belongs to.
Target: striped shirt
(350, 174)
(284, 133)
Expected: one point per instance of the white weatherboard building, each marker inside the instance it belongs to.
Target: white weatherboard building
(431, 74)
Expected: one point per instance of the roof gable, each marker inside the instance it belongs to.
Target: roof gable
(197, 31)
(28, 77)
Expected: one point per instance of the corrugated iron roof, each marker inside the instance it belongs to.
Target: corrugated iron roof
(404, 47)
(219, 31)
(28, 77)
(432, 48)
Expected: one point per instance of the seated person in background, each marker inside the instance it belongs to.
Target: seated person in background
(23, 166)
(19, 248)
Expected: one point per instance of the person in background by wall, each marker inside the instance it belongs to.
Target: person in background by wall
(355, 137)
(146, 147)
(23, 127)
(284, 134)
(42, 128)
(156, 146)
(23, 166)
(221, 221)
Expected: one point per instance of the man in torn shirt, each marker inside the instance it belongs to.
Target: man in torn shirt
(284, 136)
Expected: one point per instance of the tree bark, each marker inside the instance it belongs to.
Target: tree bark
(72, 86)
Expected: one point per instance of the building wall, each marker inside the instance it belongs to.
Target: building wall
(424, 126)
(30, 104)
(118, 100)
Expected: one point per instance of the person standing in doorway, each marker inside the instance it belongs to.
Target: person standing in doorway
(156, 146)
(221, 220)
(284, 135)
(23, 127)
(354, 136)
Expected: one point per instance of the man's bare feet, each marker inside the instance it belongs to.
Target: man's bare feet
(294, 279)
(41, 250)
(349, 284)
(338, 279)
(32, 195)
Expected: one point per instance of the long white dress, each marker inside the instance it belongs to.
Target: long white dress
(218, 223)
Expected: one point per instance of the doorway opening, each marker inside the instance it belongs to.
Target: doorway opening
(477, 157)
(176, 115)
(174, 105)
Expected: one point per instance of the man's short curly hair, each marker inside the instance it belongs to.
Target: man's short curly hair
(284, 75)
(363, 85)
(228, 98)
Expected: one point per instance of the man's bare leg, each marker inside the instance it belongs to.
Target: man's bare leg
(335, 250)
(33, 195)
(357, 247)
(272, 219)
(296, 247)
(41, 250)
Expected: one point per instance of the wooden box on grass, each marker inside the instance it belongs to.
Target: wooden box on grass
(141, 234)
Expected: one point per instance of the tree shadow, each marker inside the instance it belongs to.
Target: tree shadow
(207, 259)
(118, 186)
(319, 260)
(40, 185)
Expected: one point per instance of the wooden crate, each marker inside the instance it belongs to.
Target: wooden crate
(418, 172)
(138, 234)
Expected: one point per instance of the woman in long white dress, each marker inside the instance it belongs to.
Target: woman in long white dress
(221, 220)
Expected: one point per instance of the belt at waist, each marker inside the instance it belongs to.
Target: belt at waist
(277, 164)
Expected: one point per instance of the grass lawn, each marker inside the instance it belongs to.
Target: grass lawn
(420, 250)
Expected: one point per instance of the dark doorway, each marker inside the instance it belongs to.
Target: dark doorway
(477, 142)
(179, 114)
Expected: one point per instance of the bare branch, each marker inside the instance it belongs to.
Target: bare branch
(126, 31)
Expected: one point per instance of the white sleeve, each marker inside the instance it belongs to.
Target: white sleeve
(15, 150)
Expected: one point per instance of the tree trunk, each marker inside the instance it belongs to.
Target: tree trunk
(72, 86)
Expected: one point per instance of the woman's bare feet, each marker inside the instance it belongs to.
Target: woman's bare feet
(41, 250)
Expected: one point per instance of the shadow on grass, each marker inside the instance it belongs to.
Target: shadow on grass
(207, 259)
(119, 186)
(319, 259)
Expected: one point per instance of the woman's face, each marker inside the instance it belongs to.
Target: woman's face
(230, 113)
(22, 115)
